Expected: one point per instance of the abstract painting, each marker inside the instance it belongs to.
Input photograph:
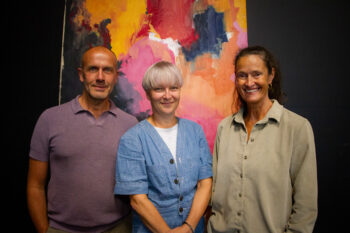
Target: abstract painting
(200, 36)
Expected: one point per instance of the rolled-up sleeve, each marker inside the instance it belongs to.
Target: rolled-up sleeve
(131, 175)
(205, 170)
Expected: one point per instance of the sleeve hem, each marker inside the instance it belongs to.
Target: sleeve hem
(128, 188)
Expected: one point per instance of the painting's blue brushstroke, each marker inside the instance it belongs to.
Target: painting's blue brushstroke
(210, 28)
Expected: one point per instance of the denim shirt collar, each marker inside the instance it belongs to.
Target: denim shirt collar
(163, 148)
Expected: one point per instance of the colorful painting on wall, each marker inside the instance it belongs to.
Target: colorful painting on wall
(200, 36)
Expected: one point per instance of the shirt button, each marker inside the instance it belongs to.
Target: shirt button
(239, 213)
(176, 181)
(172, 161)
(181, 209)
(240, 195)
(245, 157)
(181, 197)
(240, 175)
(252, 139)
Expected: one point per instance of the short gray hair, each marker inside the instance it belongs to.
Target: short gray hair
(159, 73)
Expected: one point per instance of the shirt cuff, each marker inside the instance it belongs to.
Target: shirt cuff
(128, 188)
(205, 172)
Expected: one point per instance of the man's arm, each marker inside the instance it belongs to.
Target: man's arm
(36, 194)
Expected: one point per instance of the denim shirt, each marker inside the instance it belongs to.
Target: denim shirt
(145, 166)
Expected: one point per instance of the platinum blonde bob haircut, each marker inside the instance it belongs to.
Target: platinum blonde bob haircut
(161, 73)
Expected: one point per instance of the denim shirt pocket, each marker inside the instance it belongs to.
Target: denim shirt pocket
(157, 175)
(159, 183)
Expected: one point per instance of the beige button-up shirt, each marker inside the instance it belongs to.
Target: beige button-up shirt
(269, 182)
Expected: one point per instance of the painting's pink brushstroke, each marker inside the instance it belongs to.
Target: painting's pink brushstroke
(173, 19)
(207, 117)
(242, 40)
(142, 55)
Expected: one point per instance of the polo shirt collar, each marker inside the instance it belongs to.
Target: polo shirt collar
(77, 107)
(274, 114)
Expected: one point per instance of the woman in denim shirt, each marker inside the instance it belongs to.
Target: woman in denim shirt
(164, 162)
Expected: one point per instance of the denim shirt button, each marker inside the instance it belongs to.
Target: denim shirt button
(181, 197)
(176, 181)
(172, 161)
(181, 209)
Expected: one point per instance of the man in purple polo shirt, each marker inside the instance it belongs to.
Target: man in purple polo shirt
(74, 147)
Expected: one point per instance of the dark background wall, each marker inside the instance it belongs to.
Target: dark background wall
(310, 38)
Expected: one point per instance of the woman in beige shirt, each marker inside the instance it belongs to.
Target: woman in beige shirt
(264, 161)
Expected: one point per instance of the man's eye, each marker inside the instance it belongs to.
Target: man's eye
(174, 88)
(92, 69)
(108, 70)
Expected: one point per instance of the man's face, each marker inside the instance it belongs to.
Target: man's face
(99, 73)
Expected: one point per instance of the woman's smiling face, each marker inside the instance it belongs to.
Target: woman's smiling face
(253, 79)
(164, 99)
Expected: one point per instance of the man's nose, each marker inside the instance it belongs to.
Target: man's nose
(100, 75)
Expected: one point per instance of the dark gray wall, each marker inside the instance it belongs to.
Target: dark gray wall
(309, 37)
(311, 41)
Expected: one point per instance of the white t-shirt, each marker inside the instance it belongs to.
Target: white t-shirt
(169, 136)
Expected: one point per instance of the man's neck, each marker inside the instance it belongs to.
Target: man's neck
(95, 107)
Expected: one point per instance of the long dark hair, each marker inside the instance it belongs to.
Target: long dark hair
(275, 92)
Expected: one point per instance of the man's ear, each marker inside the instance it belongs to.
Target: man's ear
(81, 75)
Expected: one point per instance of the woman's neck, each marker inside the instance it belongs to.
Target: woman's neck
(162, 121)
(254, 113)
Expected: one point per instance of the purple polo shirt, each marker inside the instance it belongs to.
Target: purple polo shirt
(81, 151)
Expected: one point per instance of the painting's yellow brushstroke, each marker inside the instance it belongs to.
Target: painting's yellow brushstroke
(220, 5)
(125, 15)
(242, 14)
(223, 6)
